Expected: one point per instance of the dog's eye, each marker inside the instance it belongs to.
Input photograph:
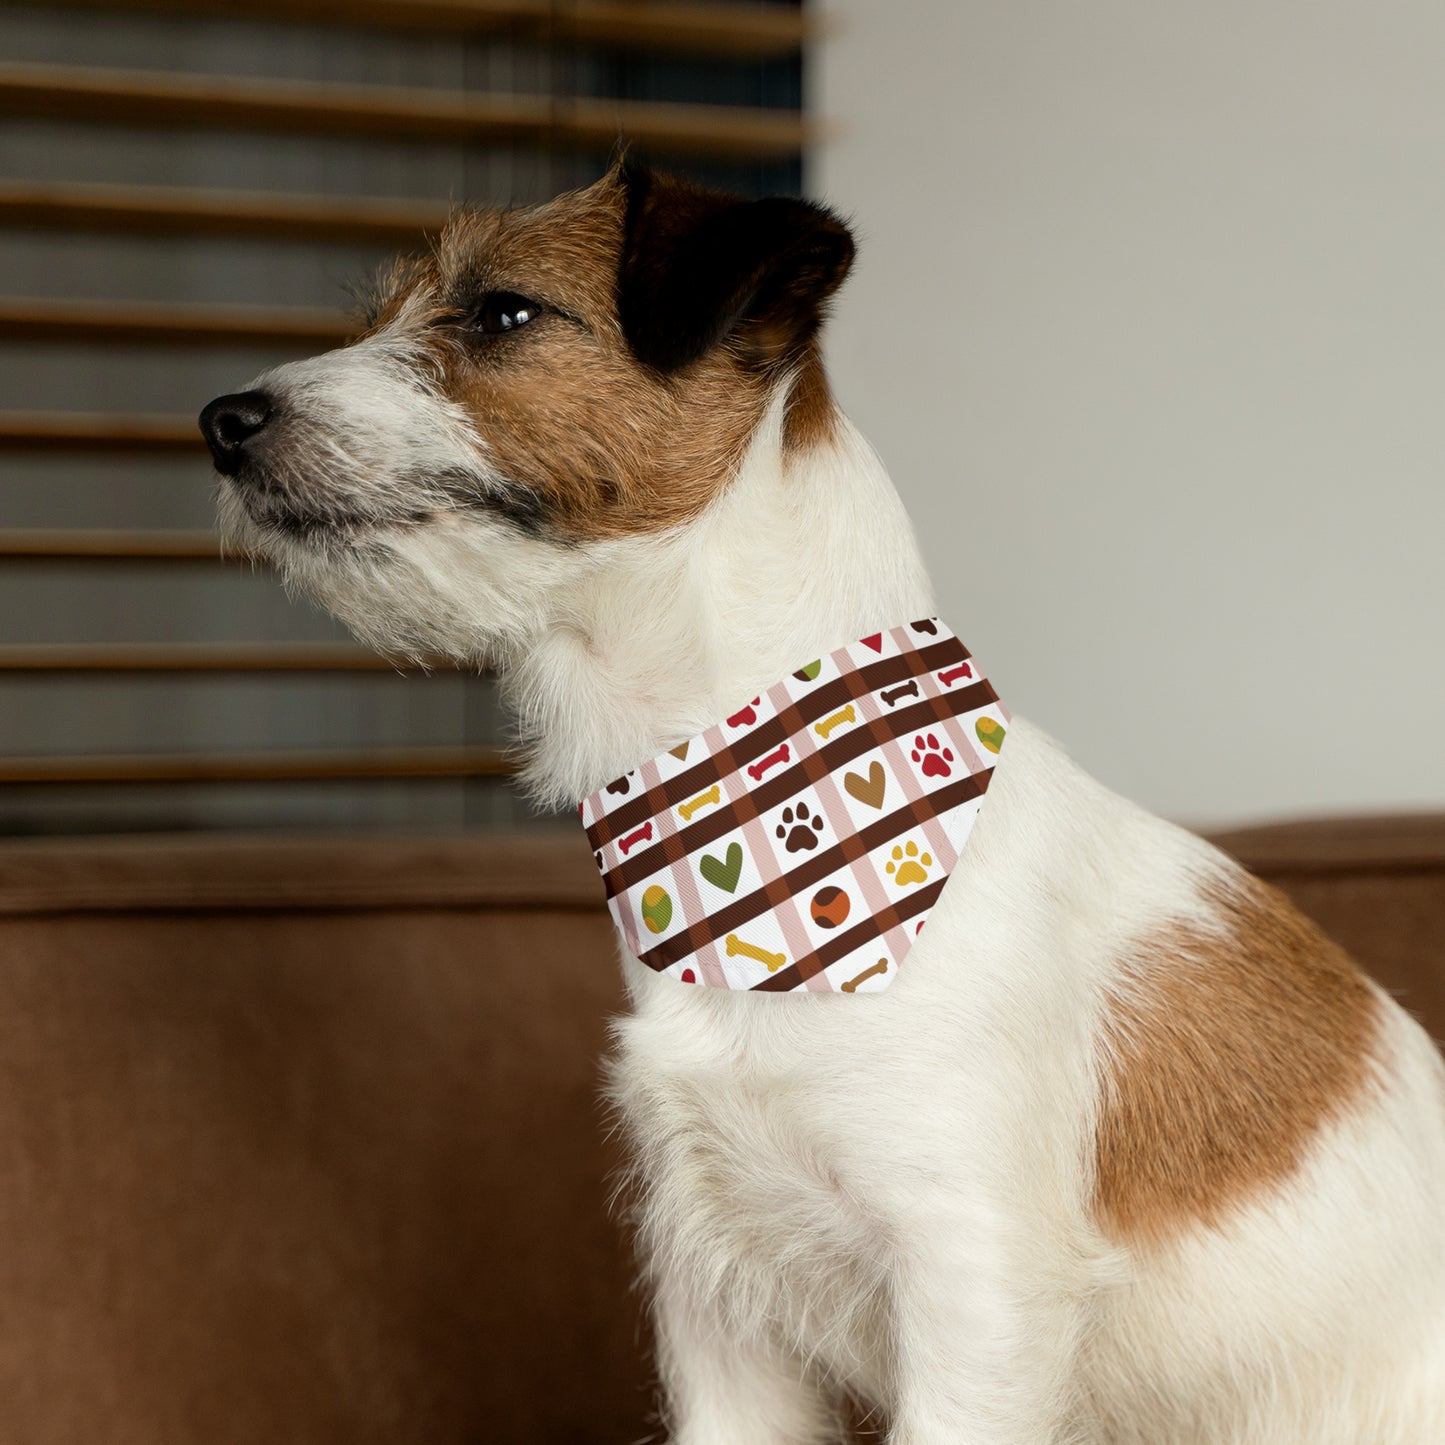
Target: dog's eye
(504, 311)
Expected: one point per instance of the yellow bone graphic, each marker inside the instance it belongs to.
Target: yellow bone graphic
(703, 800)
(837, 720)
(736, 946)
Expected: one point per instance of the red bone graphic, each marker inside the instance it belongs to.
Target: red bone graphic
(644, 833)
(747, 717)
(954, 673)
(758, 768)
(890, 695)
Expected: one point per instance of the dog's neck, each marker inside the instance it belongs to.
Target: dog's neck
(663, 636)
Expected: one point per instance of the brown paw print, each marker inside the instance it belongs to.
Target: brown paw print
(799, 829)
(931, 757)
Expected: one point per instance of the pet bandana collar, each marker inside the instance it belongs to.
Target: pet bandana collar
(801, 843)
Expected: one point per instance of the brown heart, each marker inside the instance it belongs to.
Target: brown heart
(870, 789)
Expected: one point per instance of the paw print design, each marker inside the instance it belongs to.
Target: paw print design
(933, 759)
(747, 717)
(909, 865)
(799, 829)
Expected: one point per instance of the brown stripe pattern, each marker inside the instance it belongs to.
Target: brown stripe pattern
(859, 776)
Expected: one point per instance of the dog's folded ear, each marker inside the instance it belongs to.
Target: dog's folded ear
(700, 266)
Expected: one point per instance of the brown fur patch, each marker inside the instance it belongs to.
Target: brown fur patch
(610, 447)
(1226, 1054)
(812, 413)
(605, 445)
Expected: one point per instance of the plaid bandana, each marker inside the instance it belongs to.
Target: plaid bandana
(801, 843)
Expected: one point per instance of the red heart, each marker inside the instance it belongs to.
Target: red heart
(688, 976)
(875, 642)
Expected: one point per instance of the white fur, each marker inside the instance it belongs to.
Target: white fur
(891, 1193)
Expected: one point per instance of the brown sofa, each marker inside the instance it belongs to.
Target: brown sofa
(301, 1138)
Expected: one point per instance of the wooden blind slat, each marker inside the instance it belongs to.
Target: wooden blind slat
(167, 657)
(176, 210)
(76, 544)
(216, 102)
(707, 29)
(170, 323)
(113, 97)
(77, 431)
(259, 767)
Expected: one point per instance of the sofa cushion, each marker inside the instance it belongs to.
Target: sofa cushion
(303, 1135)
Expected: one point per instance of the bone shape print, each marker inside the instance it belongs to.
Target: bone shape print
(880, 967)
(890, 695)
(642, 835)
(703, 800)
(757, 769)
(843, 715)
(736, 947)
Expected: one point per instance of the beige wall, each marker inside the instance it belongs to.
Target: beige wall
(1149, 323)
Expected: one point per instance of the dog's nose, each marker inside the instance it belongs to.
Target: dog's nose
(229, 422)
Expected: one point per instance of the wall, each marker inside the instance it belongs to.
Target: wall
(1149, 323)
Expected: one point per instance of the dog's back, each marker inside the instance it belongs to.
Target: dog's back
(1132, 1116)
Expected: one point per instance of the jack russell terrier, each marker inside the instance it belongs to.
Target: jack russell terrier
(1118, 1148)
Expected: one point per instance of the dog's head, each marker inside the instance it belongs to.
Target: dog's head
(564, 378)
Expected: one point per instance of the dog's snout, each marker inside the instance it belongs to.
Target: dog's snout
(229, 422)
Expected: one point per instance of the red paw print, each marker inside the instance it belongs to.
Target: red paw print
(747, 717)
(933, 759)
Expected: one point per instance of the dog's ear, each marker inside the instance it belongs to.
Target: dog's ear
(699, 266)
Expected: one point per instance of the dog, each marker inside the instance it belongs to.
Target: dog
(1129, 1152)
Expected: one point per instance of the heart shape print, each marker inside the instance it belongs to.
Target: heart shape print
(723, 872)
(870, 789)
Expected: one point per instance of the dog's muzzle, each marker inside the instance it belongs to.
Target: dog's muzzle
(230, 422)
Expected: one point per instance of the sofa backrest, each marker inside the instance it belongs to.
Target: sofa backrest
(303, 1138)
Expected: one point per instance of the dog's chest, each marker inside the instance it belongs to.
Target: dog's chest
(749, 1177)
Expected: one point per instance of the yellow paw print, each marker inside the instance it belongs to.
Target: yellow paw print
(909, 866)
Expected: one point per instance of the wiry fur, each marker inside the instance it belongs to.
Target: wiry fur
(895, 1195)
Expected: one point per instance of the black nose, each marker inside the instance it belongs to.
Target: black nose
(229, 422)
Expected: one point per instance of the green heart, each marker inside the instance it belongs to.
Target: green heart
(722, 874)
